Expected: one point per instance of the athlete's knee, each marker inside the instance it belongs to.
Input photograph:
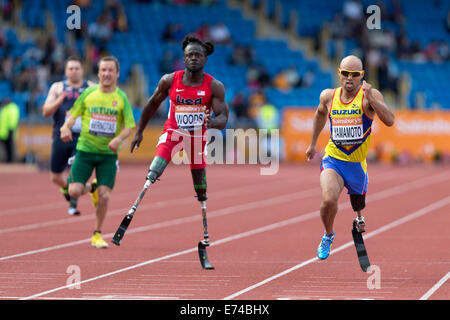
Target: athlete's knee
(199, 179)
(57, 178)
(75, 190)
(329, 203)
(104, 195)
(156, 168)
(358, 201)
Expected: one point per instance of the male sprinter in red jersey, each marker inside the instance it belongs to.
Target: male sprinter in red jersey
(192, 94)
(351, 109)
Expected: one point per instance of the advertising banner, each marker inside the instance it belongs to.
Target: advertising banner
(421, 135)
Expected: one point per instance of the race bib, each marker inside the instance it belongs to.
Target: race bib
(347, 131)
(102, 125)
(189, 117)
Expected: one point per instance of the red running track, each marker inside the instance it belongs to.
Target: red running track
(264, 230)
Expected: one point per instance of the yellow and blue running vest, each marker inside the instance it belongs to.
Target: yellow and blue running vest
(350, 129)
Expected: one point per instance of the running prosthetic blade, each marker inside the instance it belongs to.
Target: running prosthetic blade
(360, 249)
(204, 256)
(118, 236)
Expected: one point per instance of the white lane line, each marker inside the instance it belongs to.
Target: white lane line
(435, 287)
(414, 215)
(174, 222)
(381, 177)
(430, 208)
(131, 195)
(372, 197)
(153, 205)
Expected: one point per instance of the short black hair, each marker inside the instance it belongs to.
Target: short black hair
(190, 38)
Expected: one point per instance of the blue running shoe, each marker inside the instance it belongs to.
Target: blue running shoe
(323, 251)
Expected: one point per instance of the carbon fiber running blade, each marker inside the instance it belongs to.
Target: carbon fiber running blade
(360, 250)
(118, 236)
(204, 257)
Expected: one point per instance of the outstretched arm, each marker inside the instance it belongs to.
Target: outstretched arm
(219, 106)
(161, 92)
(320, 119)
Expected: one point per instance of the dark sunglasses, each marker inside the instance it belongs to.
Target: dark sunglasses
(354, 74)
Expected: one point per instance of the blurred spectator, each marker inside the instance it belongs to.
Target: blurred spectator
(173, 33)
(82, 33)
(430, 51)
(178, 64)
(443, 51)
(8, 7)
(118, 17)
(353, 15)
(203, 32)
(268, 117)
(437, 51)
(83, 4)
(397, 14)
(403, 46)
(6, 71)
(2, 38)
(388, 75)
(353, 10)
(416, 53)
(241, 55)
(100, 31)
(257, 77)
(170, 63)
(383, 39)
(256, 100)
(219, 34)
(166, 63)
(281, 82)
(287, 79)
(447, 22)
(240, 105)
(9, 122)
(339, 28)
(308, 78)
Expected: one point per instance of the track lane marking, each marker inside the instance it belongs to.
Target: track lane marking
(398, 189)
(430, 208)
(433, 289)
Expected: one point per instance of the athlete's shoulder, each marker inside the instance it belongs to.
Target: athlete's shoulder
(91, 89)
(217, 88)
(88, 91)
(166, 81)
(208, 76)
(327, 95)
(216, 83)
(57, 86)
(122, 94)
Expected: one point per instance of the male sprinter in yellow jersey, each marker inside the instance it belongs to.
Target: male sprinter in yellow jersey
(106, 120)
(351, 109)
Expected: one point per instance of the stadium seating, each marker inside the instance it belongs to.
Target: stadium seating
(424, 23)
(147, 20)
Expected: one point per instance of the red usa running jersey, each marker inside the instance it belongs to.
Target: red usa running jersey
(188, 104)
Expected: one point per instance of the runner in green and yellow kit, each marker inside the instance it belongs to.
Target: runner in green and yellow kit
(107, 120)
